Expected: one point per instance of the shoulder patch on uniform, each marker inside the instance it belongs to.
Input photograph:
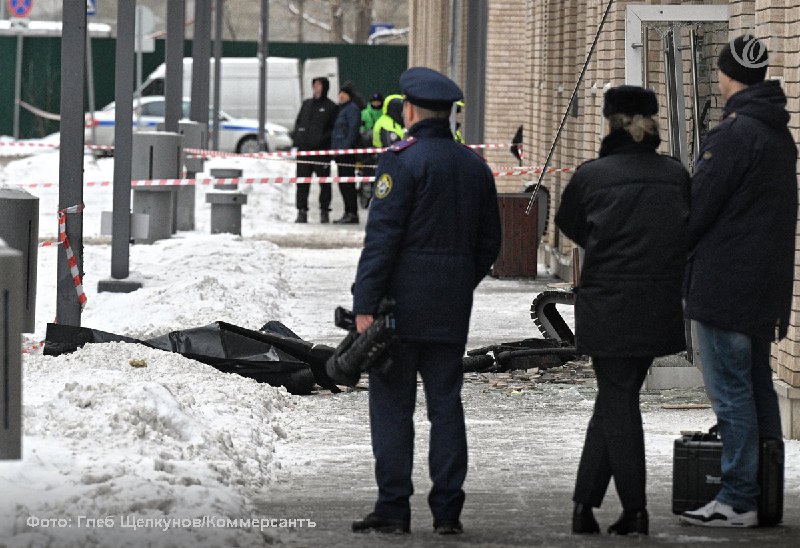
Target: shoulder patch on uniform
(402, 145)
(384, 186)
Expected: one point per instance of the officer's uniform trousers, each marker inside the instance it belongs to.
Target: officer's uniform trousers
(392, 399)
(614, 443)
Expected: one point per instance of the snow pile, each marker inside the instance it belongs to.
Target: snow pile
(119, 432)
(189, 280)
(130, 432)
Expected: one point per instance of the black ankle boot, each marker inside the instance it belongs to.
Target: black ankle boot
(324, 216)
(378, 524)
(631, 523)
(583, 522)
(347, 219)
(302, 216)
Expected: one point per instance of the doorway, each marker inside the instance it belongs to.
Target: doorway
(672, 49)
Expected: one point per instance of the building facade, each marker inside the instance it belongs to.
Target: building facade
(534, 54)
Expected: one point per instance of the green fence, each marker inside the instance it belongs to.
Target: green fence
(371, 68)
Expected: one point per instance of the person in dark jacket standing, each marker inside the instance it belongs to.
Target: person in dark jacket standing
(432, 234)
(346, 135)
(312, 131)
(741, 269)
(629, 210)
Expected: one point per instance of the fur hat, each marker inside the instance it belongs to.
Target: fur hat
(631, 100)
(745, 60)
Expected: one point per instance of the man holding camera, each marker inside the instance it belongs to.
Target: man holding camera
(433, 233)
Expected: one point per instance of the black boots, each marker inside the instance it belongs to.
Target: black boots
(324, 216)
(631, 523)
(448, 527)
(374, 522)
(583, 522)
(348, 219)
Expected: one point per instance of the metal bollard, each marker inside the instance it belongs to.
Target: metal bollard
(226, 211)
(226, 173)
(19, 227)
(11, 319)
(156, 155)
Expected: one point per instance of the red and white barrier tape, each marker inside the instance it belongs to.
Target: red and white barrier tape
(264, 155)
(72, 262)
(499, 172)
(303, 153)
(33, 348)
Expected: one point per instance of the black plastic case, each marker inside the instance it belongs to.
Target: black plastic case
(696, 474)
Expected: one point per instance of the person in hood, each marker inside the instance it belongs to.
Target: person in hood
(346, 135)
(371, 112)
(629, 210)
(312, 131)
(389, 127)
(738, 286)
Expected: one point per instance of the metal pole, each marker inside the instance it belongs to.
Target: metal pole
(173, 82)
(475, 88)
(645, 57)
(263, 56)
(455, 39)
(695, 97)
(201, 55)
(70, 169)
(569, 107)
(123, 139)
(217, 71)
(301, 6)
(17, 84)
(139, 41)
(90, 83)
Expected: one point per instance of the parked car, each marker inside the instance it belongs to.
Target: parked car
(236, 134)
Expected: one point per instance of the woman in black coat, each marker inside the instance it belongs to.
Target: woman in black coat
(629, 210)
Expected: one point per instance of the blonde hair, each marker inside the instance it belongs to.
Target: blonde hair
(637, 126)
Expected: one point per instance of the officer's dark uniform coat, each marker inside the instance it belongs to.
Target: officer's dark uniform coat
(432, 234)
(423, 246)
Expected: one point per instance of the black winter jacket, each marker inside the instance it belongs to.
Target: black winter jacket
(345, 128)
(629, 210)
(432, 234)
(744, 217)
(314, 124)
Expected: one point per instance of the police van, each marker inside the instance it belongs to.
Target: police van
(288, 83)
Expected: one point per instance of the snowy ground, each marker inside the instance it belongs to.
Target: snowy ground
(178, 440)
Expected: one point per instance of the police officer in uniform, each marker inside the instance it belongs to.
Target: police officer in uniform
(433, 233)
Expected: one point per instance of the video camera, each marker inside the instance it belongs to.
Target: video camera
(358, 353)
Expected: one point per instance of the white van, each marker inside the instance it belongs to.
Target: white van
(286, 86)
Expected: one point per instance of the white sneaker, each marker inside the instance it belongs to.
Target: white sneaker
(719, 514)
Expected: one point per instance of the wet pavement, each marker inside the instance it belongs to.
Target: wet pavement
(525, 433)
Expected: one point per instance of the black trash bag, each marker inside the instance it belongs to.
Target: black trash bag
(271, 356)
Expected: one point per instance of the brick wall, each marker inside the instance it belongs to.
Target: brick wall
(535, 52)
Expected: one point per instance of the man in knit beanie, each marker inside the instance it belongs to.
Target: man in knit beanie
(738, 284)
